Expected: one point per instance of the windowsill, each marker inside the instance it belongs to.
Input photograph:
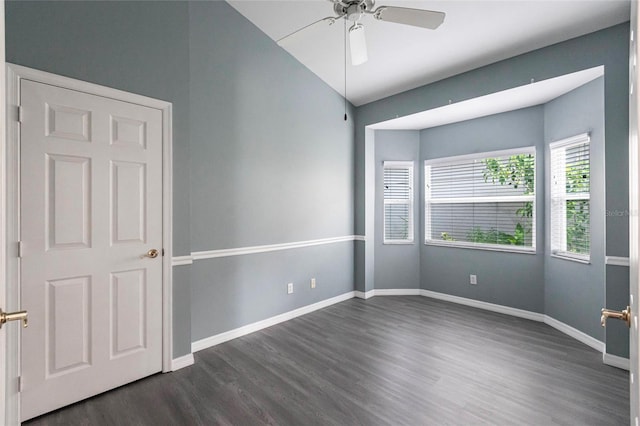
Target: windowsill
(572, 257)
(398, 242)
(487, 247)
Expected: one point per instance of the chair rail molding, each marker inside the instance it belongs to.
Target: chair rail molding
(616, 260)
(241, 251)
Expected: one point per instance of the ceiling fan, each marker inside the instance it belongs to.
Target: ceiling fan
(354, 10)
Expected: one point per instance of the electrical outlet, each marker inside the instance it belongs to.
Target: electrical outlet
(289, 288)
(313, 283)
(473, 279)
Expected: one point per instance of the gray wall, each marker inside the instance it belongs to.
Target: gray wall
(262, 154)
(140, 47)
(510, 279)
(268, 138)
(575, 291)
(256, 163)
(608, 47)
(617, 297)
(235, 291)
(271, 162)
(397, 265)
(568, 291)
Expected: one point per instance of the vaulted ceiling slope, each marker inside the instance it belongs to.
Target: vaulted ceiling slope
(474, 34)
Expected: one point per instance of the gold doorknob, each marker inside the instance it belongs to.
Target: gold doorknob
(153, 253)
(624, 315)
(14, 316)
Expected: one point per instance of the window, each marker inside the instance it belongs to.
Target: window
(398, 202)
(482, 201)
(570, 175)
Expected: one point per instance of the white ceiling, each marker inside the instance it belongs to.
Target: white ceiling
(537, 93)
(474, 33)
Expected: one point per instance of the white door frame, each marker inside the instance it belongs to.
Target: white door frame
(14, 74)
(634, 209)
(3, 222)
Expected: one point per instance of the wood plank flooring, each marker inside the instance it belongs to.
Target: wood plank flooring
(383, 361)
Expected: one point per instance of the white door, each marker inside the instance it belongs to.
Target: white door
(91, 208)
(634, 220)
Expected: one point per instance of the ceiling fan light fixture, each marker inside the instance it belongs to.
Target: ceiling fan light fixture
(357, 44)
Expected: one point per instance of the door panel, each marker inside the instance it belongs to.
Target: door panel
(68, 205)
(128, 132)
(67, 323)
(128, 195)
(67, 123)
(128, 312)
(91, 207)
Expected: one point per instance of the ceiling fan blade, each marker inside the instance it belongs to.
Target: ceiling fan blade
(416, 17)
(321, 23)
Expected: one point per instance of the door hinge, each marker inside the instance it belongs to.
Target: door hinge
(19, 383)
(20, 113)
(20, 249)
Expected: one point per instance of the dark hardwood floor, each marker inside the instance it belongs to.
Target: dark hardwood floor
(383, 361)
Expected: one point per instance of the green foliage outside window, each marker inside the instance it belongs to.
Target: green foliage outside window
(518, 172)
(493, 236)
(578, 210)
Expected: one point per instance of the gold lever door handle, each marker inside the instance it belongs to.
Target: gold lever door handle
(624, 315)
(14, 316)
(153, 253)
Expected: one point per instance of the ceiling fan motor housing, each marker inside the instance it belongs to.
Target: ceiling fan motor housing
(354, 9)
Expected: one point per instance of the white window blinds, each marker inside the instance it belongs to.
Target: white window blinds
(482, 200)
(570, 196)
(398, 202)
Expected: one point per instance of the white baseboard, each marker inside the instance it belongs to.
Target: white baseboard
(182, 362)
(208, 342)
(362, 295)
(388, 292)
(615, 361)
(520, 313)
(575, 333)
(396, 292)
(534, 316)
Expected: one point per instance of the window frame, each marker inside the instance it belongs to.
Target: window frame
(409, 165)
(466, 158)
(564, 144)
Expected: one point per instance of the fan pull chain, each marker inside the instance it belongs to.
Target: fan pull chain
(345, 69)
